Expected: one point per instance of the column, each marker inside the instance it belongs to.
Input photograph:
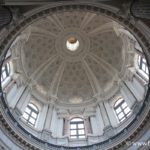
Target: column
(14, 95)
(66, 127)
(26, 102)
(60, 127)
(137, 87)
(111, 114)
(42, 117)
(104, 114)
(53, 127)
(108, 130)
(10, 94)
(127, 95)
(87, 123)
(48, 117)
(100, 122)
(94, 125)
(23, 101)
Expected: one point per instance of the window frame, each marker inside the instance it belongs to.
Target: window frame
(5, 70)
(120, 106)
(78, 135)
(142, 64)
(29, 114)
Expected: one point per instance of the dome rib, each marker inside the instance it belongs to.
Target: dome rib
(39, 71)
(56, 21)
(44, 69)
(106, 27)
(92, 79)
(53, 90)
(40, 30)
(87, 19)
(108, 67)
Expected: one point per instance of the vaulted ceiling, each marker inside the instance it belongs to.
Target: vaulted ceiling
(54, 71)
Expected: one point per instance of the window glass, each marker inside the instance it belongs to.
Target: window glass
(121, 115)
(32, 120)
(129, 114)
(73, 132)
(34, 115)
(142, 64)
(5, 72)
(76, 119)
(81, 136)
(73, 137)
(25, 116)
(80, 126)
(33, 106)
(81, 132)
(73, 126)
(28, 110)
(122, 119)
(30, 115)
(118, 110)
(118, 102)
(77, 128)
(122, 110)
(127, 110)
(124, 105)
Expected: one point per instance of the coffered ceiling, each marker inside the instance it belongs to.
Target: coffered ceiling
(72, 77)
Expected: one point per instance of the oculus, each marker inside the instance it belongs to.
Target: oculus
(72, 44)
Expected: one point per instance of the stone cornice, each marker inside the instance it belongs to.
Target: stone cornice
(22, 139)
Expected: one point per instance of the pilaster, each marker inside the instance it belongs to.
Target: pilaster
(127, 95)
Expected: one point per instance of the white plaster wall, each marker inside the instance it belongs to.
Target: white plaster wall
(48, 118)
(11, 94)
(99, 120)
(127, 95)
(94, 125)
(42, 117)
(60, 127)
(111, 114)
(14, 95)
(54, 124)
(137, 88)
(24, 100)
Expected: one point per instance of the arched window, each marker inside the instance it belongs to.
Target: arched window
(5, 72)
(30, 115)
(77, 128)
(122, 110)
(142, 64)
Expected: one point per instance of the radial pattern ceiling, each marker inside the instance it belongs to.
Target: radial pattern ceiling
(71, 57)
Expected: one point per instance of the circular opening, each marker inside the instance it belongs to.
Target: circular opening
(72, 44)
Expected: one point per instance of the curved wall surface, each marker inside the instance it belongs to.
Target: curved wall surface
(18, 135)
